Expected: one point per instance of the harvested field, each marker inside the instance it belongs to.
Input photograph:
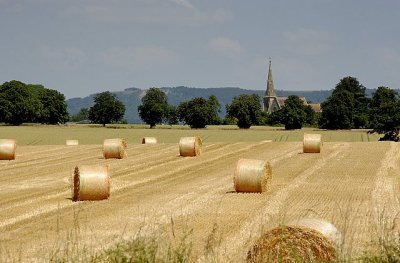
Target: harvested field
(352, 185)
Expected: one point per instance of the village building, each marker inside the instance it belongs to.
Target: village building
(272, 102)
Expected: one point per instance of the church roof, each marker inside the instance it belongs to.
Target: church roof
(281, 101)
(316, 107)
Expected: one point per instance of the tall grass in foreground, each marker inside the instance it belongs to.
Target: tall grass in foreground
(136, 249)
(162, 246)
(387, 247)
(158, 248)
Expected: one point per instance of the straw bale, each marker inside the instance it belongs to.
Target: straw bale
(90, 183)
(190, 146)
(149, 140)
(324, 227)
(312, 143)
(114, 148)
(308, 240)
(7, 149)
(252, 176)
(72, 142)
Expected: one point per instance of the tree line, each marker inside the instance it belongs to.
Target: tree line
(20, 102)
(348, 107)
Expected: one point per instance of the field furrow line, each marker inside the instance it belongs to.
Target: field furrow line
(47, 158)
(384, 197)
(209, 159)
(115, 188)
(189, 202)
(28, 199)
(73, 158)
(234, 242)
(156, 160)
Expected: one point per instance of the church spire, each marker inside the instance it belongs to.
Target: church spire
(270, 92)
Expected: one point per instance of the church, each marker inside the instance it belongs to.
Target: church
(272, 103)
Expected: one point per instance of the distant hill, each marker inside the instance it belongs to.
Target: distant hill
(131, 97)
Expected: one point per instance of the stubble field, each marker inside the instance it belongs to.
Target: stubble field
(155, 193)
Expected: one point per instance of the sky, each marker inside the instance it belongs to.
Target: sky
(89, 46)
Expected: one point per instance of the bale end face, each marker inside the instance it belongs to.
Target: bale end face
(312, 143)
(292, 244)
(190, 146)
(7, 149)
(114, 148)
(252, 176)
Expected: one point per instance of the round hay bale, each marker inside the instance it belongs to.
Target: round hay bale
(324, 227)
(312, 143)
(190, 146)
(301, 242)
(71, 142)
(7, 149)
(149, 140)
(252, 176)
(114, 148)
(90, 183)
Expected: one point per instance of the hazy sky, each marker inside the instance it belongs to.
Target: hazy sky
(88, 46)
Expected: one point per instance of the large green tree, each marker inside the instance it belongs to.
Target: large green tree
(155, 107)
(385, 114)
(54, 106)
(293, 112)
(18, 103)
(347, 107)
(199, 112)
(246, 109)
(107, 108)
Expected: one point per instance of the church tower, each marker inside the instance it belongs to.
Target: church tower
(270, 100)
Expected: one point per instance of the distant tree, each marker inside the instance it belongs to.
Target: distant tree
(82, 115)
(385, 114)
(18, 103)
(246, 109)
(293, 113)
(337, 111)
(347, 107)
(54, 107)
(228, 120)
(214, 109)
(199, 112)
(106, 109)
(154, 108)
(276, 118)
(172, 115)
(311, 116)
(263, 118)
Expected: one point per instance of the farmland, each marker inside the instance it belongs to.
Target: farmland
(353, 183)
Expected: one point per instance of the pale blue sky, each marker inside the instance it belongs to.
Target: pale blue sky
(89, 46)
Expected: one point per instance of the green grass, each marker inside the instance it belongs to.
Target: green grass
(95, 134)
